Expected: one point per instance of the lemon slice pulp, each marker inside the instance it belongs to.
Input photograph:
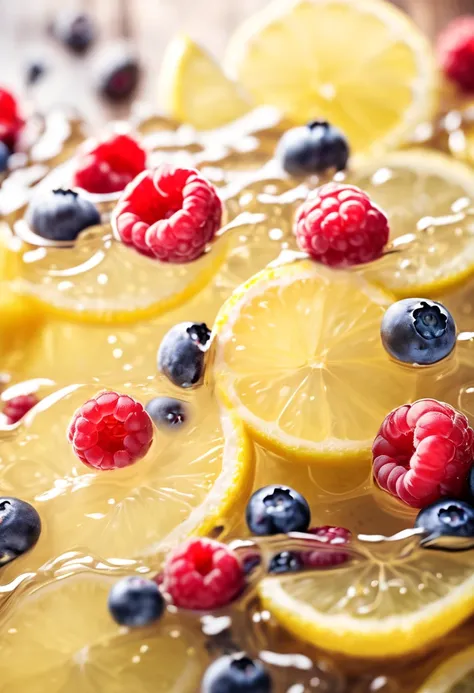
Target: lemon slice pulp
(456, 675)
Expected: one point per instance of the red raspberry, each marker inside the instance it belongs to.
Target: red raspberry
(455, 49)
(16, 407)
(423, 452)
(335, 536)
(108, 166)
(110, 431)
(341, 226)
(170, 213)
(202, 574)
(10, 120)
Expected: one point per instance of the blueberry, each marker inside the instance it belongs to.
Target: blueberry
(471, 484)
(181, 355)
(418, 331)
(34, 71)
(75, 29)
(60, 215)
(4, 156)
(285, 562)
(167, 412)
(118, 72)
(313, 148)
(277, 510)
(447, 518)
(236, 673)
(134, 601)
(20, 528)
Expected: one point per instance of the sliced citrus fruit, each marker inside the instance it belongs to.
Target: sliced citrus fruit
(72, 644)
(194, 89)
(427, 197)
(378, 607)
(456, 675)
(299, 356)
(301, 56)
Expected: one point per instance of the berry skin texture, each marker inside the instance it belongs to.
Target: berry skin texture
(110, 165)
(167, 413)
(76, 30)
(236, 673)
(418, 331)
(423, 452)
(447, 518)
(334, 536)
(16, 407)
(313, 148)
(455, 51)
(4, 156)
(117, 72)
(277, 510)
(341, 226)
(134, 602)
(170, 214)
(181, 356)
(11, 122)
(202, 574)
(60, 215)
(20, 528)
(110, 431)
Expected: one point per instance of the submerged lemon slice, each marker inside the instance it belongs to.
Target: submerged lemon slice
(299, 357)
(454, 676)
(428, 199)
(363, 66)
(194, 89)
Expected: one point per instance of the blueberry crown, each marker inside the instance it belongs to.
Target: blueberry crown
(430, 321)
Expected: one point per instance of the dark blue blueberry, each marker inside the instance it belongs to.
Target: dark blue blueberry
(75, 29)
(134, 602)
(471, 484)
(286, 562)
(277, 510)
(118, 72)
(236, 673)
(60, 215)
(34, 71)
(4, 156)
(418, 331)
(447, 518)
(313, 148)
(20, 528)
(181, 355)
(167, 412)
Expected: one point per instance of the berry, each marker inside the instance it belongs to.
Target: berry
(277, 510)
(447, 518)
(455, 50)
(285, 562)
(341, 226)
(134, 601)
(76, 30)
(110, 431)
(109, 165)
(334, 536)
(167, 412)
(10, 121)
(422, 452)
(20, 528)
(60, 215)
(181, 356)
(118, 72)
(418, 331)
(4, 156)
(236, 673)
(34, 71)
(169, 213)
(16, 407)
(202, 574)
(313, 148)
(471, 484)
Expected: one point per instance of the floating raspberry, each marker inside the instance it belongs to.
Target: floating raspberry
(202, 574)
(110, 431)
(10, 121)
(455, 49)
(170, 213)
(16, 407)
(423, 452)
(335, 536)
(108, 166)
(341, 226)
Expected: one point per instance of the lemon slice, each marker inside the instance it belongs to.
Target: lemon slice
(72, 644)
(454, 676)
(363, 66)
(376, 608)
(427, 197)
(299, 357)
(194, 89)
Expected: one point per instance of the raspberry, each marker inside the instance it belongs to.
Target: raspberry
(335, 536)
(16, 407)
(108, 166)
(110, 431)
(169, 213)
(423, 451)
(341, 226)
(10, 121)
(455, 49)
(202, 574)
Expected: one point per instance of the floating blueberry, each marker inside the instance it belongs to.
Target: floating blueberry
(167, 412)
(181, 355)
(447, 518)
(20, 528)
(34, 71)
(313, 148)
(118, 72)
(471, 484)
(286, 562)
(135, 602)
(4, 156)
(277, 510)
(236, 673)
(60, 215)
(75, 29)
(418, 331)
